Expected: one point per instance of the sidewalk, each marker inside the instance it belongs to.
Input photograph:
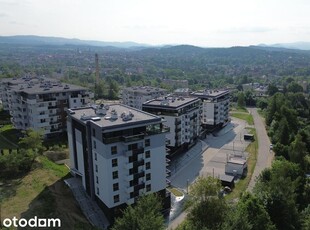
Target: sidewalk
(90, 209)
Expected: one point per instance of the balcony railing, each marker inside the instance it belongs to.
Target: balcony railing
(139, 186)
(138, 163)
(138, 175)
(133, 137)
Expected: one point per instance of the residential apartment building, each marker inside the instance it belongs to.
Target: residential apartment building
(41, 103)
(182, 116)
(119, 154)
(136, 96)
(215, 112)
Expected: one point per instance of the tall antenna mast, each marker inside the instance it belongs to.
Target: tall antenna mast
(97, 68)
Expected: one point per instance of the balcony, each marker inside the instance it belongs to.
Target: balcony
(138, 163)
(139, 186)
(138, 175)
(128, 165)
(137, 151)
(133, 138)
(129, 177)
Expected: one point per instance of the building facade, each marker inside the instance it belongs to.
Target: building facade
(215, 112)
(119, 154)
(40, 103)
(182, 116)
(136, 96)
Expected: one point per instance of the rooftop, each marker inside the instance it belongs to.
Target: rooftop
(112, 115)
(210, 93)
(42, 86)
(144, 89)
(171, 101)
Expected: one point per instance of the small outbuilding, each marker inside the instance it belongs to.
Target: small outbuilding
(227, 180)
(236, 166)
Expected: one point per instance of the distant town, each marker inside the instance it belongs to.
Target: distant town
(89, 134)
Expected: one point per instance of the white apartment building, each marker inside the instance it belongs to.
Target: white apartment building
(182, 115)
(215, 107)
(137, 95)
(40, 103)
(119, 154)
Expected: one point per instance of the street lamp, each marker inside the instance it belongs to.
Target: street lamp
(187, 183)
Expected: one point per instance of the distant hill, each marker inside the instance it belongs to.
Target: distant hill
(41, 40)
(294, 45)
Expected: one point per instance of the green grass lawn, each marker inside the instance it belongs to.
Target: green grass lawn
(175, 191)
(41, 192)
(244, 116)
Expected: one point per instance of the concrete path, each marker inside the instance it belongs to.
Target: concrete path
(265, 156)
(90, 208)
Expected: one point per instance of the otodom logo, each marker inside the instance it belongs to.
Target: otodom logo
(34, 222)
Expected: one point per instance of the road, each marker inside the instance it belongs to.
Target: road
(264, 156)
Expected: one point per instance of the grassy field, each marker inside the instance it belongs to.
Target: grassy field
(175, 191)
(244, 116)
(42, 193)
(242, 184)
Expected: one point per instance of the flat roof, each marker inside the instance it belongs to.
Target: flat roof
(210, 93)
(106, 121)
(144, 89)
(45, 87)
(239, 161)
(171, 102)
(227, 178)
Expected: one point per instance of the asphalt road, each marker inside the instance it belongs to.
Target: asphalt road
(264, 156)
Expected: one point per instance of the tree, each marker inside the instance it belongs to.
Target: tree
(206, 208)
(32, 140)
(241, 100)
(298, 152)
(272, 89)
(248, 214)
(144, 216)
(294, 87)
(281, 190)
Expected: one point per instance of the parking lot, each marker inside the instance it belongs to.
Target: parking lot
(212, 160)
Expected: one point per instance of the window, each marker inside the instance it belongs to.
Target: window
(115, 187)
(147, 154)
(148, 176)
(97, 180)
(147, 142)
(95, 146)
(97, 191)
(114, 162)
(94, 132)
(95, 156)
(96, 168)
(115, 174)
(148, 165)
(74, 101)
(148, 187)
(114, 150)
(131, 171)
(116, 198)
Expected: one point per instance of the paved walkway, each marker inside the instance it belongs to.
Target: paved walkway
(265, 156)
(90, 209)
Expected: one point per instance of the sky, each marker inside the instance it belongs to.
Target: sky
(206, 23)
